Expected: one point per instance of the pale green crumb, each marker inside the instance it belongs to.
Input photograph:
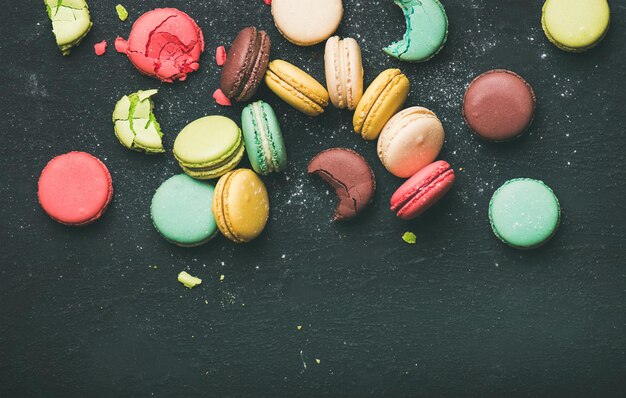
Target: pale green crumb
(188, 280)
(410, 238)
(121, 12)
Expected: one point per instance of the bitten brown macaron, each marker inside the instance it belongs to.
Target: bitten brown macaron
(246, 64)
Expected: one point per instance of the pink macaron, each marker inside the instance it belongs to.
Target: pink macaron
(422, 190)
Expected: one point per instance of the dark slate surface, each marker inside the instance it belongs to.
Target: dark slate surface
(83, 312)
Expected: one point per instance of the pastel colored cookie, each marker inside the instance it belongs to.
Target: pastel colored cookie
(209, 147)
(263, 138)
(70, 22)
(499, 105)
(382, 99)
(296, 87)
(349, 174)
(246, 64)
(135, 125)
(181, 211)
(426, 31)
(75, 188)
(423, 190)
(241, 205)
(575, 25)
(344, 72)
(306, 22)
(524, 213)
(164, 43)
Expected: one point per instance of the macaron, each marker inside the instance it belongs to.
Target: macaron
(164, 43)
(382, 99)
(575, 25)
(209, 147)
(410, 140)
(344, 72)
(349, 174)
(263, 138)
(499, 105)
(135, 125)
(306, 22)
(181, 211)
(75, 188)
(296, 87)
(524, 213)
(423, 190)
(241, 205)
(246, 63)
(71, 22)
(426, 31)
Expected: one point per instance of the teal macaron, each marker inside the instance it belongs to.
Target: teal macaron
(181, 211)
(263, 138)
(524, 213)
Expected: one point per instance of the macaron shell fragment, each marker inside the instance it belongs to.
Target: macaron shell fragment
(71, 22)
(135, 125)
(306, 22)
(575, 25)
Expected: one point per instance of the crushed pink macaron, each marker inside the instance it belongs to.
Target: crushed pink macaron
(221, 98)
(220, 56)
(268, 2)
(100, 48)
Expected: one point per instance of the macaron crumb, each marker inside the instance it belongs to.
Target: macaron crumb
(188, 280)
(318, 361)
(268, 2)
(121, 12)
(222, 277)
(299, 327)
(220, 56)
(221, 98)
(410, 238)
(100, 48)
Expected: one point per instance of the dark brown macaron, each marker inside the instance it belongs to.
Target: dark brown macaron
(246, 63)
(350, 176)
(499, 105)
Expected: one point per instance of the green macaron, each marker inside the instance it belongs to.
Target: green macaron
(135, 124)
(209, 147)
(524, 213)
(263, 138)
(70, 22)
(181, 211)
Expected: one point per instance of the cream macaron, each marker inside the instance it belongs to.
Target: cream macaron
(344, 72)
(307, 22)
(410, 140)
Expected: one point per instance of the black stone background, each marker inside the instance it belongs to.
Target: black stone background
(97, 311)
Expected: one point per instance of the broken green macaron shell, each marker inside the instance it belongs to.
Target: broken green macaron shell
(426, 31)
(263, 138)
(135, 125)
(70, 22)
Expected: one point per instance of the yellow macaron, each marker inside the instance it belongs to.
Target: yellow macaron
(296, 87)
(382, 99)
(241, 205)
(575, 25)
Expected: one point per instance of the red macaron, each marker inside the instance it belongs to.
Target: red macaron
(422, 190)
(75, 188)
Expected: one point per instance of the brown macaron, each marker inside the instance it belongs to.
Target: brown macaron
(351, 177)
(499, 105)
(246, 63)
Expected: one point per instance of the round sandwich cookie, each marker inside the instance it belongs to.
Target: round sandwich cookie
(164, 43)
(410, 140)
(344, 72)
(423, 190)
(209, 147)
(241, 205)
(524, 213)
(71, 22)
(382, 99)
(75, 189)
(306, 22)
(575, 25)
(246, 64)
(181, 211)
(263, 138)
(426, 31)
(135, 125)
(499, 105)
(296, 87)
(349, 174)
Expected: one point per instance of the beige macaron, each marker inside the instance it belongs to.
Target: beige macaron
(344, 72)
(410, 140)
(307, 22)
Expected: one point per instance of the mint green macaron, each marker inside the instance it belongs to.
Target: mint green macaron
(181, 211)
(263, 138)
(524, 213)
